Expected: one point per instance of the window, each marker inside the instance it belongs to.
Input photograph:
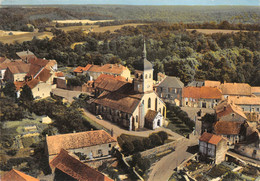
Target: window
(99, 152)
(38, 89)
(233, 115)
(109, 145)
(253, 110)
(145, 76)
(175, 91)
(149, 102)
(136, 75)
(257, 109)
(155, 104)
(150, 75)
(141, 77)
(204, 105)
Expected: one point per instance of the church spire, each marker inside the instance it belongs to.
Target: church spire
(144, 51)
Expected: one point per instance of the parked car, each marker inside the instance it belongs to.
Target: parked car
(99, 117)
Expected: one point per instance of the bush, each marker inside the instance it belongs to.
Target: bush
(155, 140)
(11, 152)
(138, 145)
(163, 135)
(128, 148)
(147, 143)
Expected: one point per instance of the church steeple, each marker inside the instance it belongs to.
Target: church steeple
(144, 51)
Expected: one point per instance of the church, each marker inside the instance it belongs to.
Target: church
(133, 105)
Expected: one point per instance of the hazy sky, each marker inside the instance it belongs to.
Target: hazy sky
(135, 2)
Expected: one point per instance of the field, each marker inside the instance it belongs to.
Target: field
(96, 28)
(211, 31)
(22, 36)
(84, 21)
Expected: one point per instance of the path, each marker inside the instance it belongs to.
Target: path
(117, 131)
(163, 169)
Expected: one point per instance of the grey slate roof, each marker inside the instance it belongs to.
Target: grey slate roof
(171, 81)
(196, 84)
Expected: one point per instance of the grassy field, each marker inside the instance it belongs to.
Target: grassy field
(211, 31)
(23, 36)
(96, 28)
(83, 21)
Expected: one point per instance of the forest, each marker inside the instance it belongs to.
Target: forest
(17, 18)
(189, 55)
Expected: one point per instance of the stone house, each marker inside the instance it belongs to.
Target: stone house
(229, 112)
(90, 144)
(15, 175)
(213, 147)
(201, 97)
(16, 72)
(66, 167)
(127, 103)
(170, 89)
(247, 104)
(234, 131)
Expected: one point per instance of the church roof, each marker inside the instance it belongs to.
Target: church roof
(171, 81)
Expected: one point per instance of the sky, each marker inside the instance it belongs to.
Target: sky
(134, 2)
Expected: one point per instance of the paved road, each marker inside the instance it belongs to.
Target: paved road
(163, 169)
(117, 131)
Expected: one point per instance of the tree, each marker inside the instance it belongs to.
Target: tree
(155, 140)
(128, 148)
(26, 94)
(10, 90)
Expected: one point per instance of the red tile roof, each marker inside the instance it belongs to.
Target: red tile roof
(21, 68)
(227, 127)
(44, 75)
(118, 101)
(244, 100)
(102, 77)
(38, 61)
(76, 169)
(225, 108)
(255, 89)
(210, 83)
(19, 85)
(201, 93)
(108, 68)
(59, 74)
(77, 140)
(210, 138)
(15, 175)
(235, 89)
(79, 69)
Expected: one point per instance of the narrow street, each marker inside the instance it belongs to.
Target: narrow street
(163, 169)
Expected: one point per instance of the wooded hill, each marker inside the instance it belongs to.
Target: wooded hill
(15, 17)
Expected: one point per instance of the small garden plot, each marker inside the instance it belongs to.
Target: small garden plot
(251, 171)
(218, 170)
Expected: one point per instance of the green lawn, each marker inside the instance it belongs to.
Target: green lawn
(179, 127)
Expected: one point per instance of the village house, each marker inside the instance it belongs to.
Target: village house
(15, 175)
(94, 71)
(235, 89)
(204, 83)
(16, 72)
(5, 64)
(229, 112)
(234, 131)
(255, 91)
(89, 144)
(213, 147)
(67, 167)
(251, 146)
(247, 104)
(128, 103)
(25, 55)
(170, 90)
(201, 97)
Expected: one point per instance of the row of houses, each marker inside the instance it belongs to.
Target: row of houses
(29, 70)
